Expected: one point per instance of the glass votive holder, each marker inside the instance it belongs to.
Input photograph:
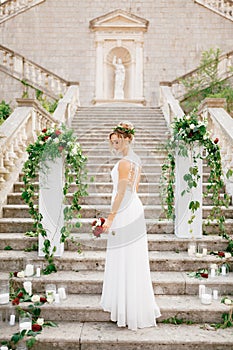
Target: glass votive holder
(202, 249)
(201, 290)
(4, 292)
(11, 317)
(206, 297)
(50, 291)
(29, 269)
(213, 270)
(224, 270)
(27, 285)
(25, 322)
(192, 249)
(62, 293)
(4, 347)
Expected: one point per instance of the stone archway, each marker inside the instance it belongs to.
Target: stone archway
(121, 34)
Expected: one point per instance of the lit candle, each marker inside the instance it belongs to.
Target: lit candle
(62, 293)
(12, 320)
(201, 290)
(224, 270)
(29, 270)
(28, 287)
(206, 298)
(4, 298)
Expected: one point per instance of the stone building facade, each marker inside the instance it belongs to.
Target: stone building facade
(158, 40)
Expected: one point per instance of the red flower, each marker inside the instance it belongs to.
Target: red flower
(221, 254)
(44, 130)
(15, 301)
(36, 327)
(204, 275)
(46, 138)
(94, 223)
(102, 221)
(20, 295)
(43, 299)
(57, 132)
(216, 140)
(15, 274)
(60, 148)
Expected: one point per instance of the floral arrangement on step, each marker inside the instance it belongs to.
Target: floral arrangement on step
(187, 133)
(53, 143)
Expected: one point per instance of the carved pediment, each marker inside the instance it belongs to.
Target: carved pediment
(119, 20)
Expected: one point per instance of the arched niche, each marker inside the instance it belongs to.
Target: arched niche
(119, 33)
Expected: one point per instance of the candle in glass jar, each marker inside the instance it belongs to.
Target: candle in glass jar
(212, 272)
(4, 347)
(215, 294)
(27, 285)
(38, 272)
(27, 325)
(12, 320)
(62, 293)
(223, 270)
(29, 270)
(206, 298)
(4, 298)
(201, 290)
(204, 251)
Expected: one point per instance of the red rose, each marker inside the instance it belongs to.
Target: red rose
(46, 138)
(36, 327)
(20, 295)
(43, 299)
(204, 275)
(57, 132)
(15, 301)
(15, 274)
(216, 140)
(44, 130)
(98, 231)
(60, 148)
(221, 254)
(102, 221)
(94, 223)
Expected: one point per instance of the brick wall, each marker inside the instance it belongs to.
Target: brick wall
(56, 35)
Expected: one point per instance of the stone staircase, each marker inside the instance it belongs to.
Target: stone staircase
(81, 322)
(11, 8)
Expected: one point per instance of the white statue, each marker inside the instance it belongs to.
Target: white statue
(119, 78)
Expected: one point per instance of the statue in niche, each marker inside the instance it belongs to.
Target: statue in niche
(119, 78)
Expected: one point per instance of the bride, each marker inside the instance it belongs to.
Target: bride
(127, 289)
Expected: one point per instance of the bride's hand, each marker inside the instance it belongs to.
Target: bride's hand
(106, 226)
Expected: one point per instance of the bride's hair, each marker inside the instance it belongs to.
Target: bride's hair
(123, 130)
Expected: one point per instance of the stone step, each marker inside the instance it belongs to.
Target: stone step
(89, 211)
(106, 335)
(91, 282)
(86, 308)
(85, 241)
(153, 225)
(95, 260)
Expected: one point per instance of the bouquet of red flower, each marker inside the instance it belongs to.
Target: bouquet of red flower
(97, 227)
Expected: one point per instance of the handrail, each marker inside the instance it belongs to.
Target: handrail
(20, 129)
(11, 8)
(40, 78)
(222, 7)
(224, 72)
(169, 104)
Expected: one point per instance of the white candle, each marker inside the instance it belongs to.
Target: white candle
(224, 270)
(25, 325)
(191, 249)
(62, 293)
(28, 287)
(206, 299)
(215, 294)
(4, 347)
(204, 251)
(38, 272)
(4, 298)
(212, 272)
(57, 298)
(12, 320)
(29, 270)
(201, 290)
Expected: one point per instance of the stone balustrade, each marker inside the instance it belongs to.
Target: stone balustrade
(10, 8)
(38, 77)
(223, 7)
(21, 128)
(224, 71)
(220, 124)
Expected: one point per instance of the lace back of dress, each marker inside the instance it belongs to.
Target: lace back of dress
(133, 177)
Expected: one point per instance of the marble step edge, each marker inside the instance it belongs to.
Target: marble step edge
(86, 307)
(106, 335)
(85, 241)
(91, 282)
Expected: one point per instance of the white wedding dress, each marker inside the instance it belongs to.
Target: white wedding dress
(127, 289)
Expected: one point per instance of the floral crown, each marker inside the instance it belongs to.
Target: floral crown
(127, 131)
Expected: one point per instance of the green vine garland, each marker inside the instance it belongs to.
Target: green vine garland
(53, 143)
(188, 132)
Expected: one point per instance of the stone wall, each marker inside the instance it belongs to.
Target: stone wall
(56, 35)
